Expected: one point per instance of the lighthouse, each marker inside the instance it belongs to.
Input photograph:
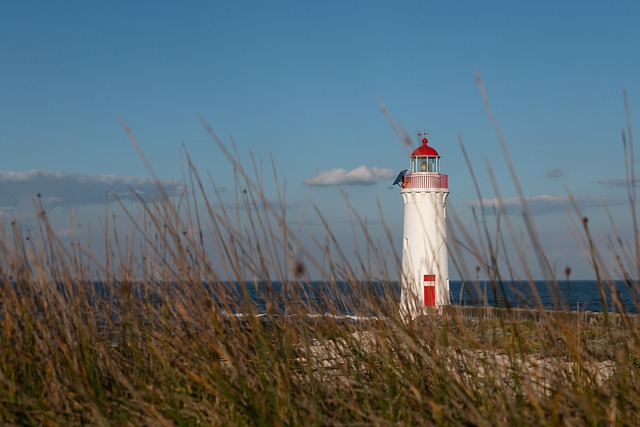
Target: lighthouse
(425, 268)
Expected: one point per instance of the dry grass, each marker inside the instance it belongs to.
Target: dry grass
(156, 342)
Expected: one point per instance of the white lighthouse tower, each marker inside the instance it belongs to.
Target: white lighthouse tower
(425, 267)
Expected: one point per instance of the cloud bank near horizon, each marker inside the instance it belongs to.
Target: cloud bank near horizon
(74, 189)
(362, 175)
(619, 182)
(542, 203)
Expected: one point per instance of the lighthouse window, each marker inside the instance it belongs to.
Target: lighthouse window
(415, 167)
(433, 164)
(425, 164)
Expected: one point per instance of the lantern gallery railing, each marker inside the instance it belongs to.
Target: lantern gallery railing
(425, 180)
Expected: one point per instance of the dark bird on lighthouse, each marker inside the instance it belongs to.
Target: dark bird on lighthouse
(400, 177)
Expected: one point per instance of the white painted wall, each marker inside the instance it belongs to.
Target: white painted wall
(424, 248)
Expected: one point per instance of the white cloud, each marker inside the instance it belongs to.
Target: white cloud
(543, 203)
(362, 175)
(619, 182)
(72, 189)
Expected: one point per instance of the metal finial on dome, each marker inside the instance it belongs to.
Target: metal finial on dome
(424, 150)
(424, 137)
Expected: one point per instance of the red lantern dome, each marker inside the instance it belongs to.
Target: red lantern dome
(424, 150)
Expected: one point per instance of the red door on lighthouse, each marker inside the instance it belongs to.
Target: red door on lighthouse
(429, 290)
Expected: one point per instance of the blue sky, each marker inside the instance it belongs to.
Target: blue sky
(302, 81)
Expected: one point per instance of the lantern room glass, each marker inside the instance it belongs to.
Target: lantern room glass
(434, 164)
(425, 164)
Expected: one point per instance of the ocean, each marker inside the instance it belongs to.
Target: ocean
(365, 300)
(346, 299)
(578, 295)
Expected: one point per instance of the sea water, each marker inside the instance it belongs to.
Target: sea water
(579, 295)
(358, 300)
(343, 298)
